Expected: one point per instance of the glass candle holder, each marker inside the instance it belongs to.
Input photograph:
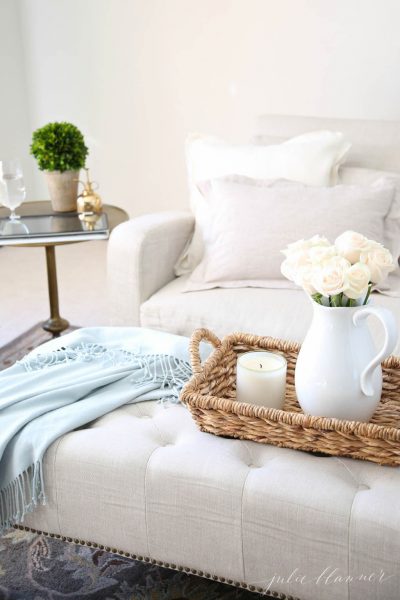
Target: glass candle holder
(261, 379)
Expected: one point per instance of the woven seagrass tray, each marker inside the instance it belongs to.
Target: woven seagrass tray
(210, 396)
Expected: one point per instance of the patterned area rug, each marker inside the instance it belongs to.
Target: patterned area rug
(33, 567)
(23, 344)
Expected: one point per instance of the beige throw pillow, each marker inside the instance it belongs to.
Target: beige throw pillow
(312, 158)
(251, 221)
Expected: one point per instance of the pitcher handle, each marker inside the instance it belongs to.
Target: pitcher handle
(390, 327)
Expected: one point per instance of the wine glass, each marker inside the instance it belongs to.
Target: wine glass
(12, 187)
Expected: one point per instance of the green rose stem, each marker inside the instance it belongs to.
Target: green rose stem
(368, 294)
(340, 299)
(336, 300)
(317, 297)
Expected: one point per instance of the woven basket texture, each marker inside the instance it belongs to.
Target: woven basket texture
(210, 396)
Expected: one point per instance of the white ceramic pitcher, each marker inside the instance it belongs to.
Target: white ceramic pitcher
(338, 370)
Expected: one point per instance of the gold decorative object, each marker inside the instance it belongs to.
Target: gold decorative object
(89, 220)
(88, 201)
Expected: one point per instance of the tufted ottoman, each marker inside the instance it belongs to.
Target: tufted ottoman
(144, 480)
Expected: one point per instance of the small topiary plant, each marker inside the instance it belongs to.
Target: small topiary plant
(59, 147)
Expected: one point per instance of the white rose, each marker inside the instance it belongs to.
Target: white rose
(330, 278)
(304, 278)
(320, 254)
(357, 279)
(379, 261)
(288, 269)
(350, 245)
(303, 245)
(291, 264)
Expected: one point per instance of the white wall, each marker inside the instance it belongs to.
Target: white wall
(137, 75)
(14, 117)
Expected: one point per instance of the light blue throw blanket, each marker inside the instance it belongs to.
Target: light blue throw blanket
(69, 382)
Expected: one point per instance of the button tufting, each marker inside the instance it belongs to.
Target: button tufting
(363, 486)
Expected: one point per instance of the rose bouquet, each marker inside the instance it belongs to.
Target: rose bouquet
(339, 274)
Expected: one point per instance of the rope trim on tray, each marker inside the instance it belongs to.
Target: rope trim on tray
(160, 563)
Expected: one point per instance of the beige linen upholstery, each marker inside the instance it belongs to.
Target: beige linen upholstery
(145, 480)
(375, 144)
(282, 313)
(141, 258)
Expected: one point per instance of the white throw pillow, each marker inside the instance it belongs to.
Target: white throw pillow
(252, 221)
(313, 158)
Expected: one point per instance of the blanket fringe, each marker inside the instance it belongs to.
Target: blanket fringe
(169, 373)
(21, 496)
(165, 370)
(172, 369)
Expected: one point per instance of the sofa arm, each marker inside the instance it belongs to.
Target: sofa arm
(141, 256)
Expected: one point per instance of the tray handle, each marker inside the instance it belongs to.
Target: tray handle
(200, 335)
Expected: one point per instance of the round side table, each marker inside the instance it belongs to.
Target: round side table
(55, 324)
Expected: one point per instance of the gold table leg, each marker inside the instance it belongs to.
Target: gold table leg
(56, 324)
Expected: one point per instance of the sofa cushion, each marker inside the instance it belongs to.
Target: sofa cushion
(143, 479)
(283, 313)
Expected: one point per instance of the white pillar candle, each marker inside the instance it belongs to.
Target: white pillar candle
(261, 379)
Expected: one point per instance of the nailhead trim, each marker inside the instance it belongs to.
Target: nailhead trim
(160, 563)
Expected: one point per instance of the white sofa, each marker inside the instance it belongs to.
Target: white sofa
(142, 253)
(144, 480)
